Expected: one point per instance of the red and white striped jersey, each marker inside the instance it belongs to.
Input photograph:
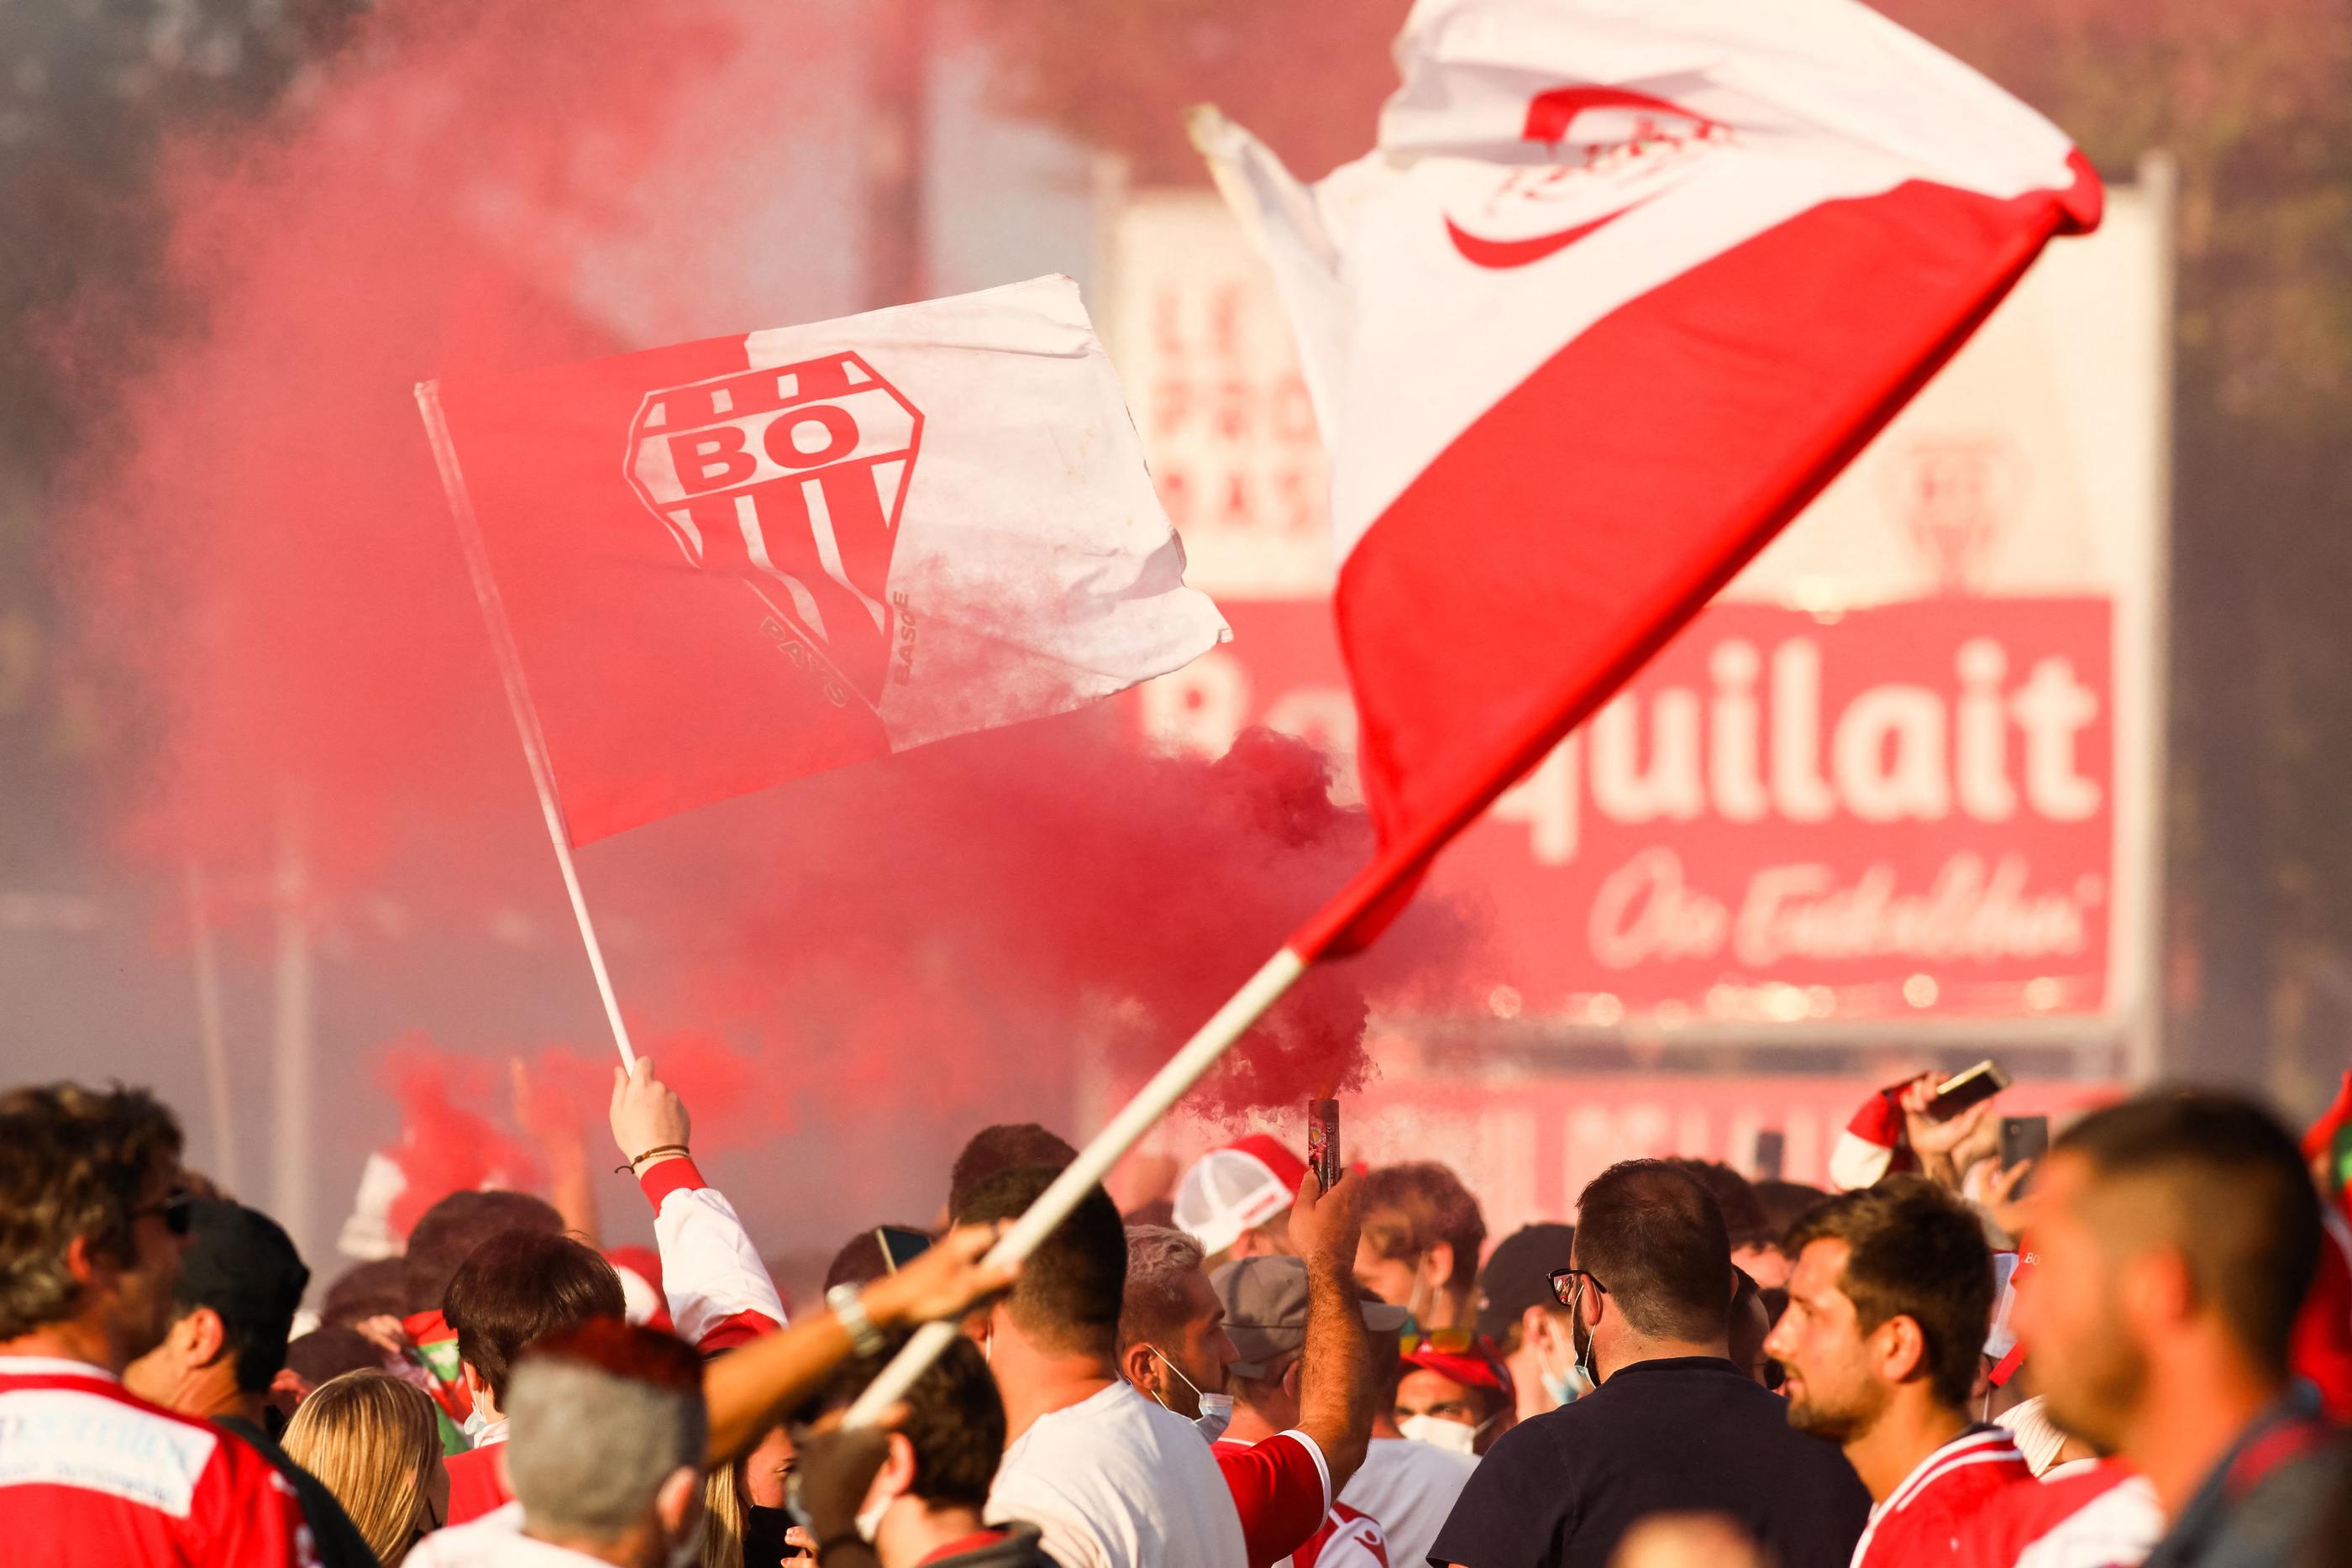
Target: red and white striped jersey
(93, 1476)
(1923, 1521)
(2099, 1514)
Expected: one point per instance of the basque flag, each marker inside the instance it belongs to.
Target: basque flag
(1625, 284)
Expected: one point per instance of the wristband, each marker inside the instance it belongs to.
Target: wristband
(845, 1302)
(636, 1160)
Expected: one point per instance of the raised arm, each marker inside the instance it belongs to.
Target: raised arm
(1334, 1404)
(719, 1291)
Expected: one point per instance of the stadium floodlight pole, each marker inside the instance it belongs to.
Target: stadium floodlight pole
(1153, 1101)
(525, 716)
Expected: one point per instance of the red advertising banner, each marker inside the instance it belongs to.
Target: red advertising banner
(1898, 811)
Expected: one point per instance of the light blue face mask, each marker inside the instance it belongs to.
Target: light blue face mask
(1216, 1409)
(1562, 1387)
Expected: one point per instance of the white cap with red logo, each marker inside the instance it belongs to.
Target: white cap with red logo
(1236, 1189)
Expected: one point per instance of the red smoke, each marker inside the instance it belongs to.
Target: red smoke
(261, 557)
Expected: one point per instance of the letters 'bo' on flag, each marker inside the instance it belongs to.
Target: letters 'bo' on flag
(1625, 284)
(732, 562)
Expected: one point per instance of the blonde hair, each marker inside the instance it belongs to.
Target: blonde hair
(722, 1519)
(372, 1439)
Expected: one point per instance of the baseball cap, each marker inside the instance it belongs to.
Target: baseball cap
(1480, 1366)
(243, 1265)
(1266, 1311)
(1518, 1275)
(1235, 1189)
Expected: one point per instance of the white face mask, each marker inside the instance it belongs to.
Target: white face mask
(1439, 1433)
(1216, 1409)
(869, 1518)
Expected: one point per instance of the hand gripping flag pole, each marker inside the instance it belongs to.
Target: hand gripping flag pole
(526, 718)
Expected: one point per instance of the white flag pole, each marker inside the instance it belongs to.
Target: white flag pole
(211, 1032)
(1153, 1101)
(526, 718)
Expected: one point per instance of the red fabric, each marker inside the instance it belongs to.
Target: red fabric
(428, 1331)
(972, 1543)
(646, 715)
(1475, 1368)
(96, 1475)
(2322, 1347)
(477, 1484)
(2015, 1518)
(1927, 1518)
(1880, 1121)
(1287, 1168)
(1278, 1490)
(644, 1263)
(1546, 554)
(2331, 1120)
(668, 1176)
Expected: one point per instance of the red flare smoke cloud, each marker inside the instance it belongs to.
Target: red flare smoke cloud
(874, 962)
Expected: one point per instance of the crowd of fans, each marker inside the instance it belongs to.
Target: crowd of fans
(2139, 1350)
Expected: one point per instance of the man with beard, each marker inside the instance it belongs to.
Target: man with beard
(1888, 1304)
(1673, 1426)
(2173, 1238)
(92, 1223)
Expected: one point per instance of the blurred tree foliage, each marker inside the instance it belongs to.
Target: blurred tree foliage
(2253, 98)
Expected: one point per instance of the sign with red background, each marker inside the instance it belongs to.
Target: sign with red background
(1898, 811)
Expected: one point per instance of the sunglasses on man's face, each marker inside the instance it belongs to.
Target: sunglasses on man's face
(1567, 1282)
(1446, 1341)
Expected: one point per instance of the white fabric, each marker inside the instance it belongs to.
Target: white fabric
(494, 1540)
(2117, 1529)
(1410, 1488)
(1225, 1193)
(1033, 564)
(75, 1438)
(1856, 1162)
(1116, 1481)
(710, 1270)
(1407, 342)
(2038, 1437)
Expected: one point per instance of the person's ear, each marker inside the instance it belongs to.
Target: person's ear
(1140, 1366)
(898, 1471)
(1898, 1349)
(2155, 1294)
(476, 1383)
(1294, 1378)
(207, 1336)
(1535, 1328)
(85, 1261)
(674, 1505)
(1437, 1265)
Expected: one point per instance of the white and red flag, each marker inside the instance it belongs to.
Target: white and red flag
(729, 564)
(1623, 285)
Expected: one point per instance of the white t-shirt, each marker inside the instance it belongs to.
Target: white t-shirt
(1116, 1481)
(1410, 1488)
